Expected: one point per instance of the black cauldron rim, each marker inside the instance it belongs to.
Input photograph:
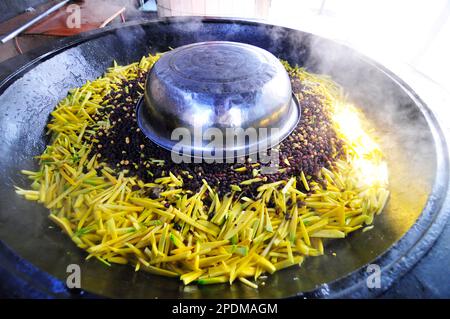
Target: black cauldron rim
(28, 281)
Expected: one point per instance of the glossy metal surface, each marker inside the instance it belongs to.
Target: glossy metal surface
(218, 85)
(35, 20)
(415, 146)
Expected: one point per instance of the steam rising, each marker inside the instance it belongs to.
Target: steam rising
(402, 132)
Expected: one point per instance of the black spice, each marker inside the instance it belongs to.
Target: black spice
(312, 145)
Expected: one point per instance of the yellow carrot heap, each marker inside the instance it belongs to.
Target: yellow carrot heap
(107, 213)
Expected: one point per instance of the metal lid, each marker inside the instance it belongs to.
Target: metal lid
(221, 86)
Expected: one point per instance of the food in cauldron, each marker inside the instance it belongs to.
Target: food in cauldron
(120, 197)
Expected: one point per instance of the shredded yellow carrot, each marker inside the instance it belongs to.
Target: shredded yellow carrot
(111, 218)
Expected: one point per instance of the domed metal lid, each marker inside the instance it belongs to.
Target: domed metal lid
(217, 88)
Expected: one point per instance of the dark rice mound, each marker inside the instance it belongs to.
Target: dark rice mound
(312, 145)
